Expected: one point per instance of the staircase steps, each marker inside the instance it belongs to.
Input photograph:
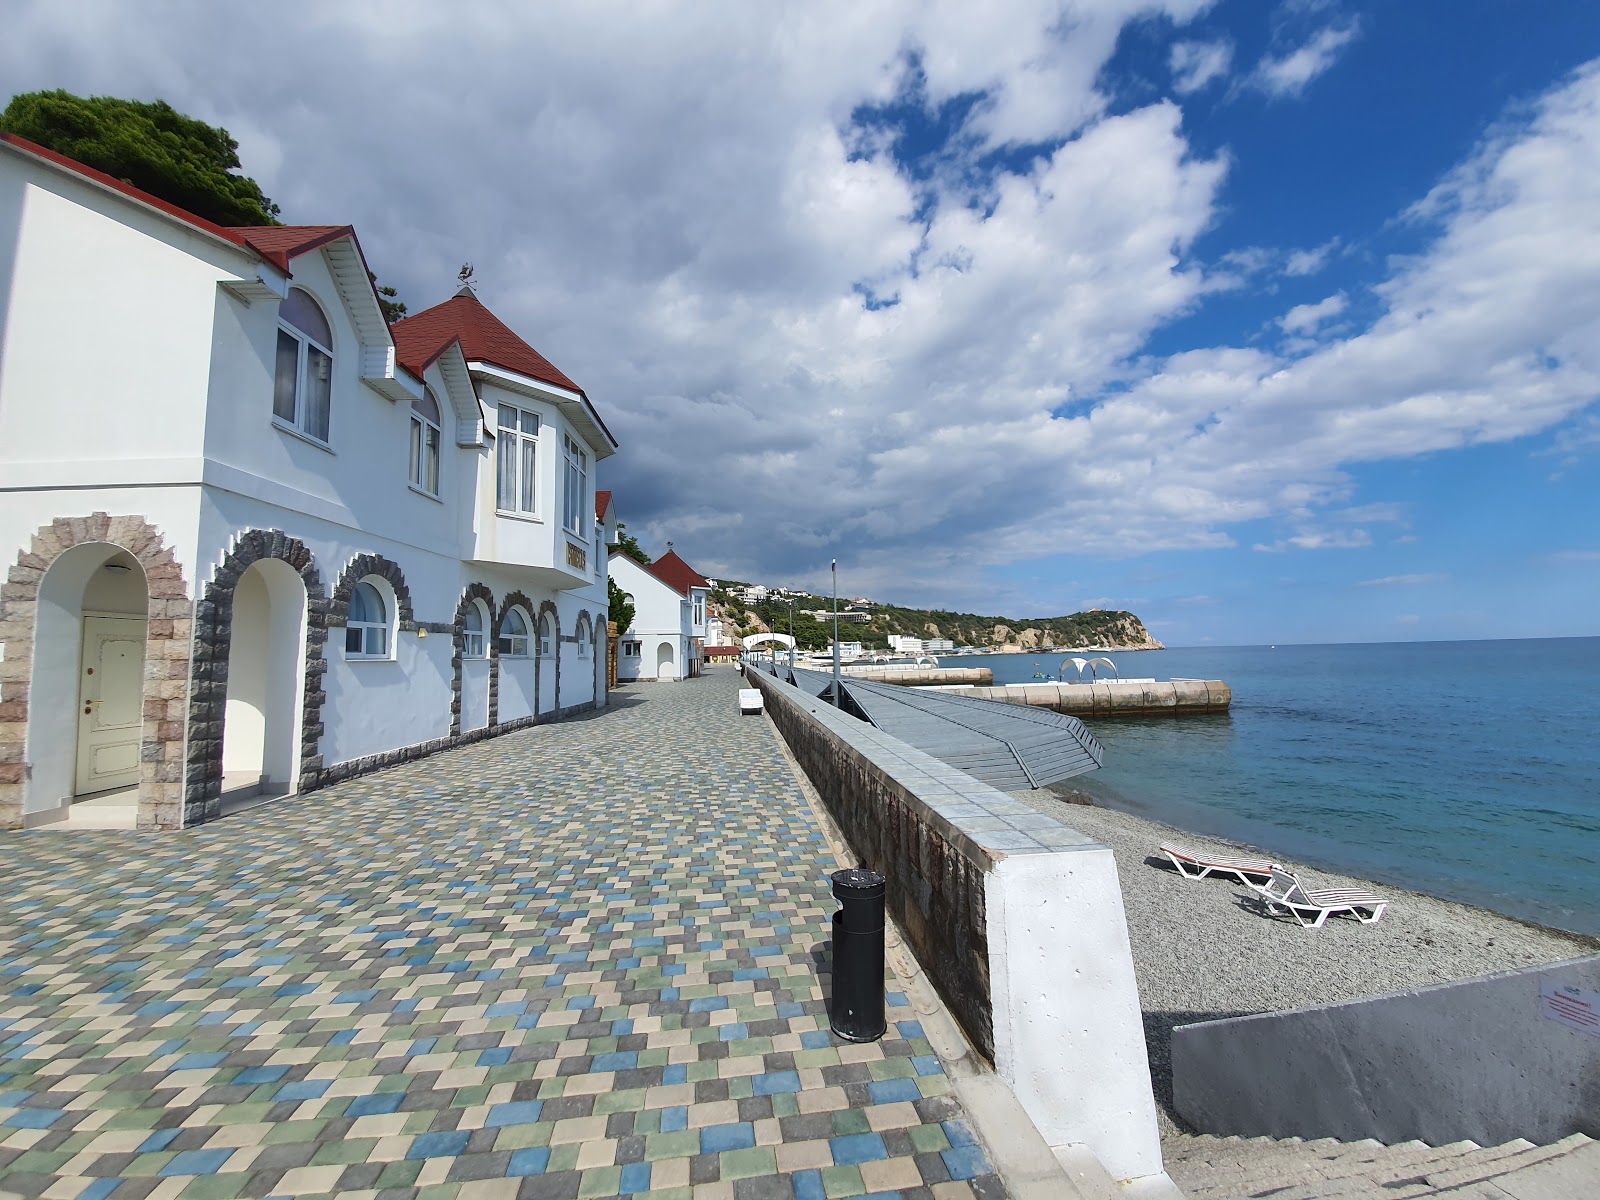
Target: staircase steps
(1234, 1168)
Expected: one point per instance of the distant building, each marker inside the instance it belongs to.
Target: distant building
(849, 651)
(938, 646)
(903, 644)
(669, 621)
(755, 594)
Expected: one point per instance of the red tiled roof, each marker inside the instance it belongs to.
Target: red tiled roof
(279, 243)
(484, 337)
(676, 574)
(602, 502)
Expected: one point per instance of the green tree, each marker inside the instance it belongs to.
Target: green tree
(631, 548)
(150, 145)
(621, 605)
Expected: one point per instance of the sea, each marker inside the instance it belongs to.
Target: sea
(1466, 770)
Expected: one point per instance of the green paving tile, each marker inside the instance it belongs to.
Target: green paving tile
(683, 1143)
(742, 1164)
(842, 1181)
(354, 1150)
(599, 1181)
(929, 1139)
(850, 1120)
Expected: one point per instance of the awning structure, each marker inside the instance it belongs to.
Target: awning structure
(1011, 747)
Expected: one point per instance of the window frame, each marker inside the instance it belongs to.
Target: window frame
(583, 638)
(631, 648)
(305, 342)
(574, 484)
(421, 425)
(548, 637)
(508, 641)
(367, 631)
(481, 633)
(523, 449)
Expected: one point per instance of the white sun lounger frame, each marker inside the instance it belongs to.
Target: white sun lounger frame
(1193, 864)
(1284, 890)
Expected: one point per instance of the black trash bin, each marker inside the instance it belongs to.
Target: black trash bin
(855, 1007)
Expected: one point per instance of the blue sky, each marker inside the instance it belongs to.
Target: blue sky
(1270, 322)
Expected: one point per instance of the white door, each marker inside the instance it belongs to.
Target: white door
(111, 703)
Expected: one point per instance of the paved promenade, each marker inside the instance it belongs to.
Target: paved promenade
(577, 961)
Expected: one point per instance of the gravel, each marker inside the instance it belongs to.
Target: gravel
(1202, 949)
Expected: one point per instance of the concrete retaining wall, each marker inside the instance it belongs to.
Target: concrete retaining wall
(1015, 918)
(1484, 1060)
(921, 676)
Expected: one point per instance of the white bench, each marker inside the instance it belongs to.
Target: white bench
(749, 700)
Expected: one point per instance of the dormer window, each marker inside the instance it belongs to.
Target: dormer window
(425, 443)
(302, 395)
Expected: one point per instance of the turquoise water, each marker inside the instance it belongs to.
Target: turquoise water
(1469, 770)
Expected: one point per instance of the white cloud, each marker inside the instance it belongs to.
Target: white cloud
(1309, 262)
(1319, 539)
(680, 213)
(1403, 580)
(1304, 318)
(1288, 74)
(1195, 64)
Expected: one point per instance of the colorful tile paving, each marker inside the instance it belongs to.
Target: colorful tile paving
(578, 961)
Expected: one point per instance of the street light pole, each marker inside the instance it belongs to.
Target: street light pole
(838, 694)
(791, 633)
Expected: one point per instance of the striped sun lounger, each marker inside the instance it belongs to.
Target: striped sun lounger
(1194, 864)
(1312, 906)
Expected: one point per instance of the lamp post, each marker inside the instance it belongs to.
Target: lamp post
(838, 695)
(791, 633)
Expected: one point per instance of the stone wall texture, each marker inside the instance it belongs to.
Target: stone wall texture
(935, 882)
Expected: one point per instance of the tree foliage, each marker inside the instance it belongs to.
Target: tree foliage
(621, 605)
(632, 549)
(149, 145)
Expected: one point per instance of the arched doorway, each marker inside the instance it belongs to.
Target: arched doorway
(664, 668)
(266, 677)
(86, 700)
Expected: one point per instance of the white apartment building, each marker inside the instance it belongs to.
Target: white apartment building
(256, 539)
(902, 643)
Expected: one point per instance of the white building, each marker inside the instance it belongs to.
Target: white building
(938, 646)
(902, 643)
(755, 594)
(848, 651)
(256, 539)
(669, 621)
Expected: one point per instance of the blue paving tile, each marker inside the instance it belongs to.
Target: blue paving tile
(447, 1143)
(857, 1148)
(514, 1112)
(716, 1138)
(965, 1162)
(893, 1091)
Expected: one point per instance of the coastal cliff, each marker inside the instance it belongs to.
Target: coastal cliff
(1108, 629)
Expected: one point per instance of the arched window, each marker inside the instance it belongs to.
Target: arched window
(472, 643)
(302, 395)
(514, 635)
(547, 644)
(366, 634)
(583, 637)
(425, 443)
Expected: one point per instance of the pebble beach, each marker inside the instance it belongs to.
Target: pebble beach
(1204, 949)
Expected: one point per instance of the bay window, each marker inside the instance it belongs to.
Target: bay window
(516, 456)
(425, 443)
(575, 483)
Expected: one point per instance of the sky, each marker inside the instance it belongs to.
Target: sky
(1268, 322)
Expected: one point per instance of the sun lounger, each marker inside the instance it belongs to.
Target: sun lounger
(1193, 864)
(1311, 907)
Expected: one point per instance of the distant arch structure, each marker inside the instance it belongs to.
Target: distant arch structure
(756, 639)
(1093, 665)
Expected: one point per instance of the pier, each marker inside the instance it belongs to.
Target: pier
(914, 676)
(1116, 697)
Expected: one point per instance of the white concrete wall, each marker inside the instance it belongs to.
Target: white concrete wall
(1068, 1030)
(106, 347)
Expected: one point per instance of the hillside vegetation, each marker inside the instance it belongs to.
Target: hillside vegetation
(1112, 629)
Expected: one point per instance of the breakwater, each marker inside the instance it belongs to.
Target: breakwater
(922, 676)
(1116, 697)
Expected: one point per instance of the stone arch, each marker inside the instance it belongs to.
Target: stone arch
(549, 606)
(208, 692)
(475, 591)
(358, 569)
(166, 663)
(514, 600)
(597, 634)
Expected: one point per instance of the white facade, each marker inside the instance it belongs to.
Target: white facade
(167, 460)
(903, 644)
(669, 621)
